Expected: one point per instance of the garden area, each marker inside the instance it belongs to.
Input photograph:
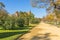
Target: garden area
(15, 25)
(13, 34)
(17, 20)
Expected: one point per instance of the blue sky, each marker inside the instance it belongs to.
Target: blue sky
(22, 5)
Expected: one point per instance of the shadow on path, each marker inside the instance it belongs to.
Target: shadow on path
(38, 37)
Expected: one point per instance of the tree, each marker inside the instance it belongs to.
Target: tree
(44, 3)
(49, 17)
(29, 17)
(20, 22)
(3, 15)
(36, 20)
(1, 5)
(50, 6)
(10, 22)
(21, 19)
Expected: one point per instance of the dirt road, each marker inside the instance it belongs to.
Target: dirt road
(42, 31)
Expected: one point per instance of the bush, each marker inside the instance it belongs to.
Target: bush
(20, 22)
(35, 21)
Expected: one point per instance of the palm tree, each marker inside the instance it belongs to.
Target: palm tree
(1, 5)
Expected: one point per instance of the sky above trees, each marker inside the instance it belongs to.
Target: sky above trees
(22, 5)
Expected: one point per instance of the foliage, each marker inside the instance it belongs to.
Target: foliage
(8, 21)
(49, 17)
(16, 20)
(1, 5)
(20, 22)
(36, 21)
(51, 6)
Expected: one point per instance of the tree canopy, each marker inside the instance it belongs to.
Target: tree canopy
(48, 4)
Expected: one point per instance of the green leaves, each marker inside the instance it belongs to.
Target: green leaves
(1, 5)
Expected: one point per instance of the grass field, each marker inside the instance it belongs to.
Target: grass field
(11, 34)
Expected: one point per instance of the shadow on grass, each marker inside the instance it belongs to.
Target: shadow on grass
(8, 34)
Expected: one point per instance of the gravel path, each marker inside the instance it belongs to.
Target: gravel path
(42, 31)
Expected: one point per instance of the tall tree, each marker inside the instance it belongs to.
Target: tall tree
(49, 5)
(21, 19)
(3, 15)
(1, 5)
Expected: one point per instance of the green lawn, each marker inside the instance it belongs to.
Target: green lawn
(11, 34)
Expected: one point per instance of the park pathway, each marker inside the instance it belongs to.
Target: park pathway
(42, 31)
